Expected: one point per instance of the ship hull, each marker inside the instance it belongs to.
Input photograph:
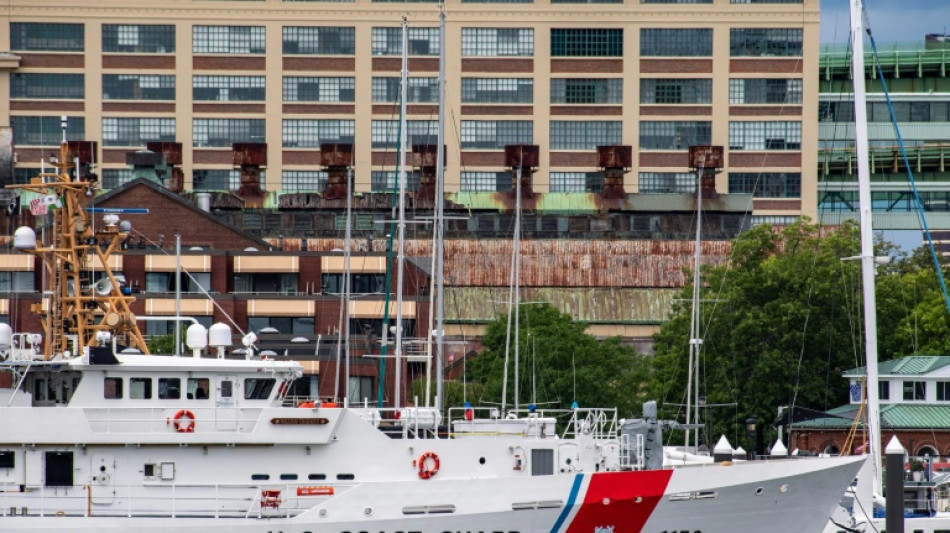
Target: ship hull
(795, 496)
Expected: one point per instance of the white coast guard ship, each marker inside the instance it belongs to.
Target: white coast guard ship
(96, 440)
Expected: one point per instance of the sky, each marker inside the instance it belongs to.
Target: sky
(891, 20)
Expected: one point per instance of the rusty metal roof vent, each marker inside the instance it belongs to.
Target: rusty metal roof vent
(337, 158)
(175, 177)
(425, 160)
(251, 158)
(707, 161)
(616, 161)
(525, 157)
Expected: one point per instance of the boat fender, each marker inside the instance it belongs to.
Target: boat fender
(184, 421)
(425, 471)
(306, 405)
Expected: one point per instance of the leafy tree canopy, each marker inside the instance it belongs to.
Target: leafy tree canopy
(559, 363)
(784, 319)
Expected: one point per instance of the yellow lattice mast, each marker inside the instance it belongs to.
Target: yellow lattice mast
(75, 311)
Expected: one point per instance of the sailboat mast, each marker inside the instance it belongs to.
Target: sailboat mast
(516, 308)
(347, 274)
(439, 270)
(400, 256)
(867, 240)
(694, 340)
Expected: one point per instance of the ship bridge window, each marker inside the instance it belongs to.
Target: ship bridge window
(112, 388)
(140, 388)
(198, 388)
(258, 388)
(169, 389)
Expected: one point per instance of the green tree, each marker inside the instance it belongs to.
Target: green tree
(784, 318)
(559, 364)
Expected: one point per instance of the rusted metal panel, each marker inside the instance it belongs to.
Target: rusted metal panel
(171, 151)
(84, 150)
(588, 304)
(560, 263)
(336, 154)
(250, 154)
(615, 156)
(522, 155)
(710, 157)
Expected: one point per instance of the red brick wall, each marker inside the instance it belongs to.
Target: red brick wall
(672, 110)
(584, 110)
(46, 105)
(141, 107)
(139, 62)
(227, 63)
(498, 65)
(52, 60)
(587, 65)
(319, 109)
(738, 111)
(771, 65)
(497, 110)
(679, 66)
(334, 64)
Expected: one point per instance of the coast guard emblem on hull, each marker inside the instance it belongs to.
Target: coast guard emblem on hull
(603, 529)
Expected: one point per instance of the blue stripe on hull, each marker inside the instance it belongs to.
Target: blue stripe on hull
(578, 479)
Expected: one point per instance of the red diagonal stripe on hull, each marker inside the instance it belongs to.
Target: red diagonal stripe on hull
(611, 500)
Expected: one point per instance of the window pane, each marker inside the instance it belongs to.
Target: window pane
(765, 42)
(497, 42)
(112, 388)
(422, 41)
(777, 135)
(132, 131)
(765, 91)
(137, 87)
(227, 39)
(319, 89)
(169, 388)
(140, 388)
(47, 86)
(420, 90)
(198, 388)
(319, 40)
(675, 91)
(694, 42)
(223, 132)
(46, 131)
(47, 37)
(674, 135)
(584, 135)
(139, 39)
(767, 184)
(385, 133)
(581, 42)
(667, 183)
(228, 88)
(586, 90)
(495, 134)
(311, 133)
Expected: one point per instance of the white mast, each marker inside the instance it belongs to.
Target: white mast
(439, 270)
(401, 162)
(346, 278)
(694, 340)
(867, 240)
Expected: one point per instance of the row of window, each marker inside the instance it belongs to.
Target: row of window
(474, 134)
(760, 185)
(476, 42)
(425, 90)
(843, 111)
(145, 388)
(915, 391)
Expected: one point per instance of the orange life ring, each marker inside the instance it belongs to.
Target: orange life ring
(184, 421)
(424, 471)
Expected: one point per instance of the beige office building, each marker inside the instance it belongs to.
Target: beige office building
(657, 75)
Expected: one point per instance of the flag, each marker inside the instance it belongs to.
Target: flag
(856, 392)
(53, 202)
(38, 206)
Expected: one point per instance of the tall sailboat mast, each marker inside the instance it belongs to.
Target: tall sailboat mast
(400, 256)
(867, 240)
(439, 270)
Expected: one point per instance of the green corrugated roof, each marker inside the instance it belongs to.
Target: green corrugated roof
(911, 365)
(893, 416)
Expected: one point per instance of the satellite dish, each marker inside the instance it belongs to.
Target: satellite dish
(103, 287)
(299, 340)
(269, 330)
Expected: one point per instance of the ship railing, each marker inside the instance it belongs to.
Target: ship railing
(172, 500)
(598, 423)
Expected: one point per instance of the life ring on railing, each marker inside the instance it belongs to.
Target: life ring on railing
(425, 472)
(184, 421)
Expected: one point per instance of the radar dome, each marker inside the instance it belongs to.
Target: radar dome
(6, 336)
(197, 337)
(24, 238)
(219, 335)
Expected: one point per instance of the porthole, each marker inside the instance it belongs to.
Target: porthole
(481, 460)
(759, 491)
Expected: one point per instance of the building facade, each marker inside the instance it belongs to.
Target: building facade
(656, 75)
(914, 396)
(915, 74)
